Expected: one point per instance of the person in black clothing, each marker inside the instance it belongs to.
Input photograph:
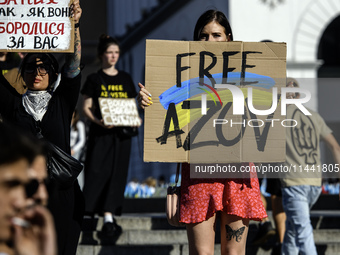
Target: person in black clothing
(8, 61)
(47, 108)
(108, 150)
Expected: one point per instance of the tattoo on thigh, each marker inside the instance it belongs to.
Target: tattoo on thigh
(234, 233)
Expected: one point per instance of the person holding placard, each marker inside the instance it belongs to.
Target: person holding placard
(237, 201)
(11, 73)
(46, 110)
(108, 148)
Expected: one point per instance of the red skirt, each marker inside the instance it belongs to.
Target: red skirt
(202, 198)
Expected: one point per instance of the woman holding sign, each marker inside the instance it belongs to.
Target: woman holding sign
(108, 148)
(46, 110)
(236, 201)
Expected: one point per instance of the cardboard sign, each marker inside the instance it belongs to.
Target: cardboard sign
(36, 25)
(119, 111)
(208, 98)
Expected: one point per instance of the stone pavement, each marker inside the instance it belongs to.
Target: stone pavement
(149, 233)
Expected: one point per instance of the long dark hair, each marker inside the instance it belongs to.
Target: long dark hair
(209, 16)
(46, 58)
(105, 41)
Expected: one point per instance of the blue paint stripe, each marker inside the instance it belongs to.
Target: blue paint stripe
(191, 87)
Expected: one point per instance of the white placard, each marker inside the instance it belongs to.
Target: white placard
(36, 25)
(119, 111)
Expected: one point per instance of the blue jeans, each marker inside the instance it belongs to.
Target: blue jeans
(297, 201)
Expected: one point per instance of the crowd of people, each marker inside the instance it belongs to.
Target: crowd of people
(45, 111)
(41, 215)
(150, 187)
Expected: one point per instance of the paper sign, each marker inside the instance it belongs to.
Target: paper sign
(119, 111)
(36, 25)
(208, 98)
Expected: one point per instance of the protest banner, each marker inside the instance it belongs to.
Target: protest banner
(119, 112)
(36, 25)
(215, 102)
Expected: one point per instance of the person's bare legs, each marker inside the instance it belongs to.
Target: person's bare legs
(201, 237)
(234, 232)
(279, 216)
(264, 201)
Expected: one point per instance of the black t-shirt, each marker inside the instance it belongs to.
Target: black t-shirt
(118, 86)
(55, 125)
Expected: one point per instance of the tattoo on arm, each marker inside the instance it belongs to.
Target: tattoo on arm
(234, 233)
(72, 63)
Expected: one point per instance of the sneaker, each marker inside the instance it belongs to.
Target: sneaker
(264, 233)
(118, 229)
(108, 229)
(111, 229)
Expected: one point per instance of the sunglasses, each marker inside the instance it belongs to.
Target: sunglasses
(43, 69)
(32, 186)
